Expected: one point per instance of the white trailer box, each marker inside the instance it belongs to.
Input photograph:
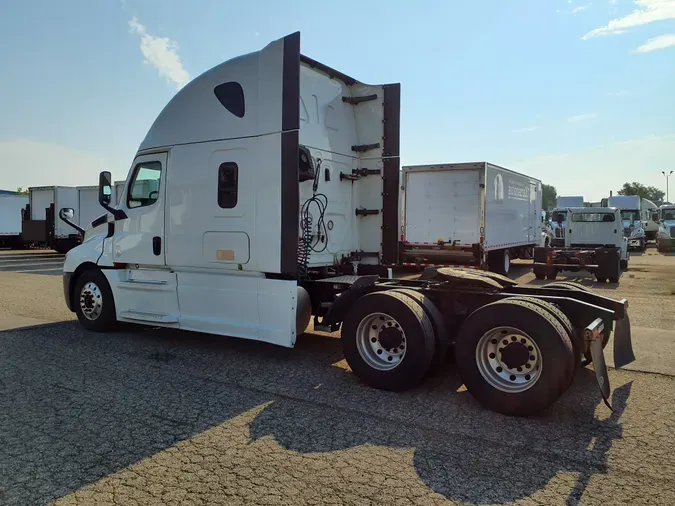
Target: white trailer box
(10, 219)
(631, 213)
(569, 201)
(88, 206)
(469, 212)
(41, 222)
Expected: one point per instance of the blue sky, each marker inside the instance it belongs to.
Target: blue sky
(579, 94)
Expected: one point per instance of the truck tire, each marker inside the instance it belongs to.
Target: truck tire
(624, 265)
(441, 336)
(500, 261)
(539, 272)
(533, 340)
(388, 341)
(587, 359)
(559, 314)
(93, 301)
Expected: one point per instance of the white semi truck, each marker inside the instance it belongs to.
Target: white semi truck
(631, 219)
(11, 207)
(650, 219)
(558, 217)
(475, 213)
(665, 238)
(40, 223)
(259, 197)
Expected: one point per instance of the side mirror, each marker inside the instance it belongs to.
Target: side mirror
(67, 214)
(105, 195)
(104, 188)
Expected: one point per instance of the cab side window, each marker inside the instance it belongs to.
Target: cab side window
(144, 188)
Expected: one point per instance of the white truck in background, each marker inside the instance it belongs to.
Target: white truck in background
(593, 242)
(650, 219)
(469, 213)
(631, 219)
(11, 207)
(665, 237)
(276, 182)
(559, 214)
(40, 223)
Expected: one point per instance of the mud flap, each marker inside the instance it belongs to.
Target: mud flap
(623, 345)
(593, 334)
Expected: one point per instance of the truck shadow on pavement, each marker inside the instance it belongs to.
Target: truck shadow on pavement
(76, 407)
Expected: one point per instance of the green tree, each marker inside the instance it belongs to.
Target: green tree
(21, 191)
(549, 195)
(645, 192)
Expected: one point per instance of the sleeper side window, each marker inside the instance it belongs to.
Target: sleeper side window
(144, 188)
(228, 185)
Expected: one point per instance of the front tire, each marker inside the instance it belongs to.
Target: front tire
(500, 261)
(514, 357)
(388, 341)
(93, 301)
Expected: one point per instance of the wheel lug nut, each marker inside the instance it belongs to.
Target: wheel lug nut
(379, 352)
(531, 357)
(373, 339)
(492, 355)
(513, 378)
(499, 369)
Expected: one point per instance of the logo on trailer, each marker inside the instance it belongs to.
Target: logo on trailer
(498, 187)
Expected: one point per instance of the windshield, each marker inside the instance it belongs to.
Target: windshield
(630, 215)
(558, 215)
(668, 214)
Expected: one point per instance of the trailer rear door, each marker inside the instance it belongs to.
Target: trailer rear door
(442, 204)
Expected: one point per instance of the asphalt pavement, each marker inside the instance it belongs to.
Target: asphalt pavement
(152, 416)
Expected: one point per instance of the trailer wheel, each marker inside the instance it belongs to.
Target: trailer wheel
(514, 357)
(442, 339)
(500, 261)
(388, 341)
(93, 301)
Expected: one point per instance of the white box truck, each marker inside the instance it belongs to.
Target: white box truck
(257, 198)
(40, 222)
(569, 201)
(475, 213)
(631, 217)
(11, 207)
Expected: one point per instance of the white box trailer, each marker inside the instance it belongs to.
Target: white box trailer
(276, 181)
(478, 213)
(11, 207)
(89, 208)
(40, 222)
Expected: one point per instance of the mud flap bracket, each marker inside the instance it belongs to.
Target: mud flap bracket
(593, 334)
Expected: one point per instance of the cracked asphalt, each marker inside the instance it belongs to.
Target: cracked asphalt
(148, 416)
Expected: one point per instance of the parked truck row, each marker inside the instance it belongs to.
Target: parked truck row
(268, 194)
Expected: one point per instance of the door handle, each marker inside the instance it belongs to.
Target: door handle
(157, 245)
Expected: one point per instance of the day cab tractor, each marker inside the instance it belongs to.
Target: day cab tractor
(234, 220)
(593, 241)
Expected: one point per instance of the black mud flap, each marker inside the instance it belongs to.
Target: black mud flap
(623, 345)
(593, 334)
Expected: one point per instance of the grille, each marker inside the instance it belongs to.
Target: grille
(672, 232)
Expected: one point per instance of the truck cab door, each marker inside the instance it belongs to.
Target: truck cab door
(139, 239)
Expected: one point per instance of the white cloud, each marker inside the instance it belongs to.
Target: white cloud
(620, 93)
(582, 117)
(580, 8)
(648, 11)
(594, 171)
(36, 163)
(526, 129)
(161, 53)
(660, 42)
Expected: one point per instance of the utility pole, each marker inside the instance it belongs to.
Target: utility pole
(667, 176)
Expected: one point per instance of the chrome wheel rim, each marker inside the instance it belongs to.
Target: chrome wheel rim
(381, 341)
(91, 301)
(508, 359)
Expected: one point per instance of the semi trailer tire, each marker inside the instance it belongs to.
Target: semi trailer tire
(93, 301)
(441, 336)
(514, 357)
(388, 341)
